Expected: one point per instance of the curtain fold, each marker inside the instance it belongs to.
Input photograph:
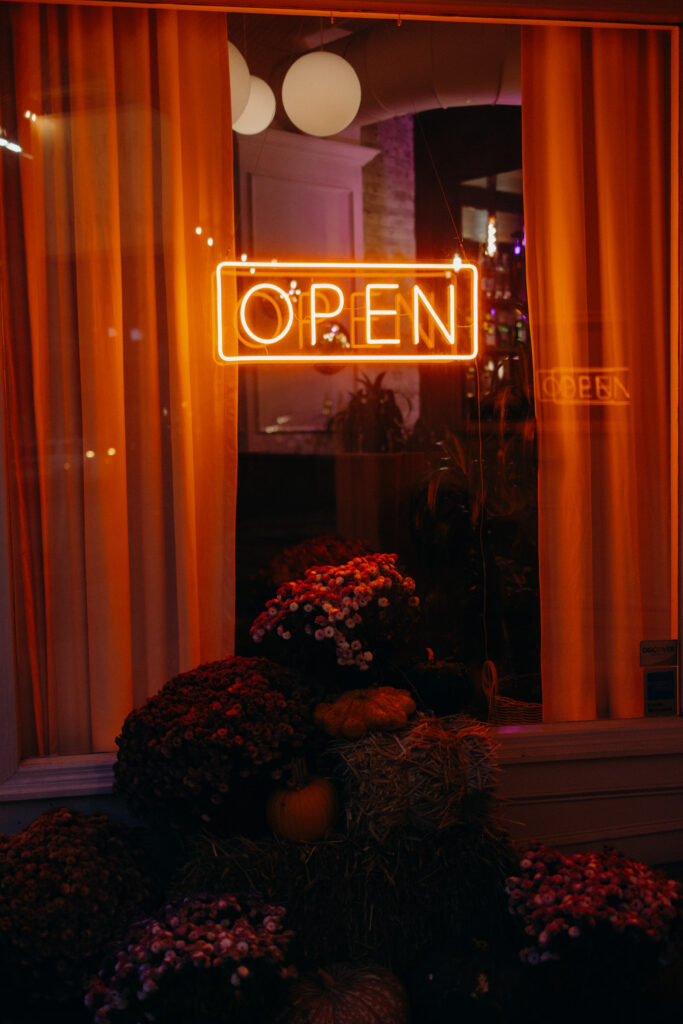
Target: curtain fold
(595, 153)
(122, 451)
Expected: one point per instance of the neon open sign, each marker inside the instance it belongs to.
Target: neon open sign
(272, 312)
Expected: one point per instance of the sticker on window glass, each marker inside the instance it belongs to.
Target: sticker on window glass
(588, 385)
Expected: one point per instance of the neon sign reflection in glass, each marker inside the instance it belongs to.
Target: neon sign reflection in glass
(272, 312)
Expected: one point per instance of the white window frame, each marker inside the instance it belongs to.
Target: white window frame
(629, 765)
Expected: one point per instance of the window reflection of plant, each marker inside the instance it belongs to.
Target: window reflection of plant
(474, 523)
(372, 420)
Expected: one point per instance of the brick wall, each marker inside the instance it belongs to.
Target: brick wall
(389, 191)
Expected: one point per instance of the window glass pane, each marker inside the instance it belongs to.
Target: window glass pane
(338, 460)
(120, 522)
(124, 184)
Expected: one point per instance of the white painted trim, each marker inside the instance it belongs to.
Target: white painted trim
(47, 777)
(572, 786)
(616, 832)
(90, 774)
(570, 741)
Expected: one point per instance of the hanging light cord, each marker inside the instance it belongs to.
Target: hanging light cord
(441, 188)
(484, 580)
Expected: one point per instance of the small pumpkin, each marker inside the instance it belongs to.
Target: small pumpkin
(304, 810)
(348, 993)
(357, 712)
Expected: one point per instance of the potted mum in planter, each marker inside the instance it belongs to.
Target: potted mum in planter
(209, 959)
(352, 621)
(69, 883)
(206, 748)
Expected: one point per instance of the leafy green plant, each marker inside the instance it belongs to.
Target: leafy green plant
(372, 421)
(474, 526)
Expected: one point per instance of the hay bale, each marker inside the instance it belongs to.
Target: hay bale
(436, 774)
(347, 899)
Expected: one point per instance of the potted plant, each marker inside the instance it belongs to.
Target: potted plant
(474, 528)
(376, 464)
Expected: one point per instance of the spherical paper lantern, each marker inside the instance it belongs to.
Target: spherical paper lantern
(259, 111)
(240, 81)
(321, 93)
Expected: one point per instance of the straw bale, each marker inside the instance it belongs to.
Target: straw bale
(437, 773)
(347, 899)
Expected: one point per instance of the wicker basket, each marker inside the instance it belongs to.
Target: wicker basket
(506, 710)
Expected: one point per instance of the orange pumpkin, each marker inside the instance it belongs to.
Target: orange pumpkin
(359, 711)
(303, 813)
(348, 994)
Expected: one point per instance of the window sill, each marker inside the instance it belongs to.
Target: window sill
(40, 778)
(574, 786)
(586, 741)
(92, 774)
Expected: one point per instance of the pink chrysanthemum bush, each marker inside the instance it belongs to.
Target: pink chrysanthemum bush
(357, 615)
(203, 749)
(204, 958)
(596, 906)
(69, 882)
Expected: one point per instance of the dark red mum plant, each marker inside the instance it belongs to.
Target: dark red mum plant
(68, 883)
(210, 739)
(206, 959)
(597, 904)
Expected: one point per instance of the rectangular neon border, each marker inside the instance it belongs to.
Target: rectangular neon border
(359, 267)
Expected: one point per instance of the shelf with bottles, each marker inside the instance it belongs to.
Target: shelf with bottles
(503, 372)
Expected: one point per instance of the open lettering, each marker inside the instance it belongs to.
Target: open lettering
(346, 312)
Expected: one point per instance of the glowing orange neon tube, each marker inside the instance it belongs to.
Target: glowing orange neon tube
(271, 323)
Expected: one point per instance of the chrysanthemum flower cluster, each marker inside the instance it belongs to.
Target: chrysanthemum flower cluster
(354, 608)
(562, 899)
(327, 549)
(159, 972)
(68, 883)
(208, 734)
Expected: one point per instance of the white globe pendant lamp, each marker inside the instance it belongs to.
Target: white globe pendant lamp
(240, 81)
(259, 111)
(321, 93)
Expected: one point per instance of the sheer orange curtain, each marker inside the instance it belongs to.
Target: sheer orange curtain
(595, 151)
(121, 427)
